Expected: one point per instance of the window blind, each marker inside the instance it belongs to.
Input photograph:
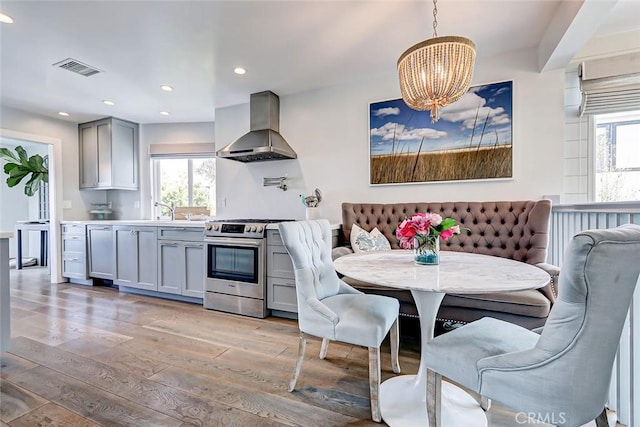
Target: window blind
(190, 150)
(610, 85)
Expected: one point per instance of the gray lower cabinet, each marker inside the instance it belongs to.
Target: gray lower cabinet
(281, 285)
(181, 262)
(136, 257)
(100, 256)
(74, 251)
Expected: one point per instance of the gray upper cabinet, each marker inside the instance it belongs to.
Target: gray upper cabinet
(108, 155)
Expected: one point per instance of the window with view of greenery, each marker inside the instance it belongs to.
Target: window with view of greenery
(617, 156)
(185, 182)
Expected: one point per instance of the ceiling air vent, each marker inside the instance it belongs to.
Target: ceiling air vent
(77, 67)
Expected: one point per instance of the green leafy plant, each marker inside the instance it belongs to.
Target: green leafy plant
(19, 166)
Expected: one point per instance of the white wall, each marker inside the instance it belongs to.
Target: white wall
(67, 132)
(575, 182)
(16, 206)
(578, 167)
(138, 204)
(328, 128)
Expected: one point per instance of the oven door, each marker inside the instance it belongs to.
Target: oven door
(235, 266)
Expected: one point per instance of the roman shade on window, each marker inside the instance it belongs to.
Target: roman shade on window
(610, 85)
(186, 150)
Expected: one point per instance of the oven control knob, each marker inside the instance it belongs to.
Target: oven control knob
(247, 228)
(207, 226)
(214, 227)
(259, 229)
(253, 228)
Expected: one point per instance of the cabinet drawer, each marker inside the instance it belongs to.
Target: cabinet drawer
(71, 243)
(279, 262)
(73, 229)
(73, 266)
(181, 233)
(281, 295)
(273, 238)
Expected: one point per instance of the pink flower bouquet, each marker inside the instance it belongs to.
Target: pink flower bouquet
(419, 226)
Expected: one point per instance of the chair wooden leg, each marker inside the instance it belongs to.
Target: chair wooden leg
(302, 346)
(602, 420)
(374, 382)
(324, 348)
(434, 390)
(484, 402)
(394, 336)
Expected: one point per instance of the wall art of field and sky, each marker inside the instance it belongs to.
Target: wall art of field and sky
(472, 140)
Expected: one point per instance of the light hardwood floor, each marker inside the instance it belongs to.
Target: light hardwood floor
(85, 356)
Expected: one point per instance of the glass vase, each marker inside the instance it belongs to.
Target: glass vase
(426, 250)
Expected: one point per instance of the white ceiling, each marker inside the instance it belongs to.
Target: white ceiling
(286, 47)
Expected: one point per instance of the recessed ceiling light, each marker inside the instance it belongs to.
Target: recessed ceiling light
(239, 70)
(166, 87)
(62, 113)
(107, 102)
(5, 19)
(164, 113)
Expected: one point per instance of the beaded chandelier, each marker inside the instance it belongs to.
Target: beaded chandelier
(436, 72)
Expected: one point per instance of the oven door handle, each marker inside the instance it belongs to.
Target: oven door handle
(234, 241)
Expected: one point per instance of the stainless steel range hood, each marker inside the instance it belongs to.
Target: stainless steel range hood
(263, 142)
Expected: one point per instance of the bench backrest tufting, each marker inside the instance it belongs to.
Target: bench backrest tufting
(517, 230)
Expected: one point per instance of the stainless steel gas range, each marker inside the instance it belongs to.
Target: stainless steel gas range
(235, 262)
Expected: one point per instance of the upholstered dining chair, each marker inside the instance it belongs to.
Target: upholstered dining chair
(562, 376)
(330, 309)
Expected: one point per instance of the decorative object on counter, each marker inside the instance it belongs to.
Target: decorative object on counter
(192, 213)
(312, 201)
(311, 204)
(101, 211)
(19, 166)
(275, 181)
(422, 231)
(437, 71)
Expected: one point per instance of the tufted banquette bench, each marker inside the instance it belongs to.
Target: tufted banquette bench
(517, 230)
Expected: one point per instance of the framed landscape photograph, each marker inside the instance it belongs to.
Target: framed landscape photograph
(471, 141)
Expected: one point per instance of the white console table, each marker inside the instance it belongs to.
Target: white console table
(5, 309)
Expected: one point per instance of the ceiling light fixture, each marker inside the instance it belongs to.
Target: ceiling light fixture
(239, 70)
(62, 113)
(166, 87)
(164, 113)
(436, 72)
(107, 102)
(6, 19)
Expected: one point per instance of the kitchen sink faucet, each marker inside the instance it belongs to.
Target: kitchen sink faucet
(172, 209)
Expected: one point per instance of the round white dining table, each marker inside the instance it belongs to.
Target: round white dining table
(403, 397)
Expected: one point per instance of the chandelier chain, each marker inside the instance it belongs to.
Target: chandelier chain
(435, 18)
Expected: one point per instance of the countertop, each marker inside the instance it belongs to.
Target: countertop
(141, 222)
(6, 234)
(162, 223)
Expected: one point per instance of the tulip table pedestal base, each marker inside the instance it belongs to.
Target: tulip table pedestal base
(403, 403)
(403, 399)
